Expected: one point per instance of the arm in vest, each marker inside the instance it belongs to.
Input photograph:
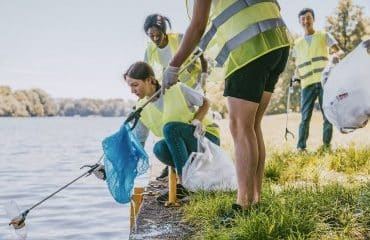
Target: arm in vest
(193, 33)
(191, 39)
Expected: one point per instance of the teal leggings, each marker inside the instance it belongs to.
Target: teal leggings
(177, 145)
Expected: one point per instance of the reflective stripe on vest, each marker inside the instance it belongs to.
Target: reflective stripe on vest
(247, 34)
(224, 16)
(175, 109)
(242, 31)
(189, 76)
(311, 59)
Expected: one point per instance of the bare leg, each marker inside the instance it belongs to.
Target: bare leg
(242, 122)
(261, 146)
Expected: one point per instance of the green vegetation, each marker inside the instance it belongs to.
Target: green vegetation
(344, 164)
(348, 25)
(36, 102)
(313, 195)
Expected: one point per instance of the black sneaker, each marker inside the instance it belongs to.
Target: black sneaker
(181, 193)
(163, 175)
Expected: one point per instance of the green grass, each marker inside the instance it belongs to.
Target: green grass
(300, 200)
(329, 212)
(320, 167)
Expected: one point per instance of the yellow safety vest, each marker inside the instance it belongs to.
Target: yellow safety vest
(189, 76)
(242, 31)
(175, 109)
(311, 59)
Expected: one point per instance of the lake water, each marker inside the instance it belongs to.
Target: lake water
(39, 155)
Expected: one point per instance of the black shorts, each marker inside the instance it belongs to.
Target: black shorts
(250, 81)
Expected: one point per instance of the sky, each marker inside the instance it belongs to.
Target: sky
(81, 48)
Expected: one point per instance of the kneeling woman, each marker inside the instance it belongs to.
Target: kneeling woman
(173, 117)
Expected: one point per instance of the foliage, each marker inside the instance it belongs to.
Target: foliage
(22, 103)
(36, 102)
(304, 197)
(318, 167)
(87, 107)
(329, 212)
(348, 25)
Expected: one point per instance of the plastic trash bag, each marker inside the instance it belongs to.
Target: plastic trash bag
(346, 98)
(124, 160)
(209, 169)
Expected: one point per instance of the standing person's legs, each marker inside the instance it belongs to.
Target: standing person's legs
(276, 65)
(327, 126)
(242, 117)
(308, 97)
(261, 145)
(247, 102)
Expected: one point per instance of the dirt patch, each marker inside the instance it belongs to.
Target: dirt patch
(155, 221)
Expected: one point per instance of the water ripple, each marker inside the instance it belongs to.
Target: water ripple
(37, 158)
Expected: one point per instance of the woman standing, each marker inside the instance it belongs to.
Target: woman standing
(251, 41)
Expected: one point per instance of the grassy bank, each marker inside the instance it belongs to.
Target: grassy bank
(313, 195)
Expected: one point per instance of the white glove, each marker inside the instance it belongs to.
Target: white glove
(199, 130)
(170, 77)
(99, 172)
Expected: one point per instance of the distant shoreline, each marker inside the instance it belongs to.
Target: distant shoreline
(37, 103)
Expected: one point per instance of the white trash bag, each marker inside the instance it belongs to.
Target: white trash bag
(209, 169)
(346, 98)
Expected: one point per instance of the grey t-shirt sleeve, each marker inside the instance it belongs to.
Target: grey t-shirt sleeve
(192, 96)
(330, 40)
(141, 132)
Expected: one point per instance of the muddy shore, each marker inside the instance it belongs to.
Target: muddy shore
(155, 221)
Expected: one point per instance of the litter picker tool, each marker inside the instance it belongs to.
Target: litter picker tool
(288, 110)
(124, 159)
(18, 222)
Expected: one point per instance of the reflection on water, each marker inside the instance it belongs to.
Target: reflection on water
(39, 155)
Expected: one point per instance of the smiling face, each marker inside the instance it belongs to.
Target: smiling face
(306, 20)
(157, 36)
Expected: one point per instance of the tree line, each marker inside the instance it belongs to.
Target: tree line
(36, 102)
(348, 25)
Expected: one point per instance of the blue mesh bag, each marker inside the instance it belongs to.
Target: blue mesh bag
(124, 160)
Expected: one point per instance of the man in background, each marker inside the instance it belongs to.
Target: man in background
(311, 56)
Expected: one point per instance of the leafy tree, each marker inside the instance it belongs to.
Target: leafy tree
(348, 25)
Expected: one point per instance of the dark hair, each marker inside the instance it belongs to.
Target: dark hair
(158, 21)
(306, 10)
(141, 71)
